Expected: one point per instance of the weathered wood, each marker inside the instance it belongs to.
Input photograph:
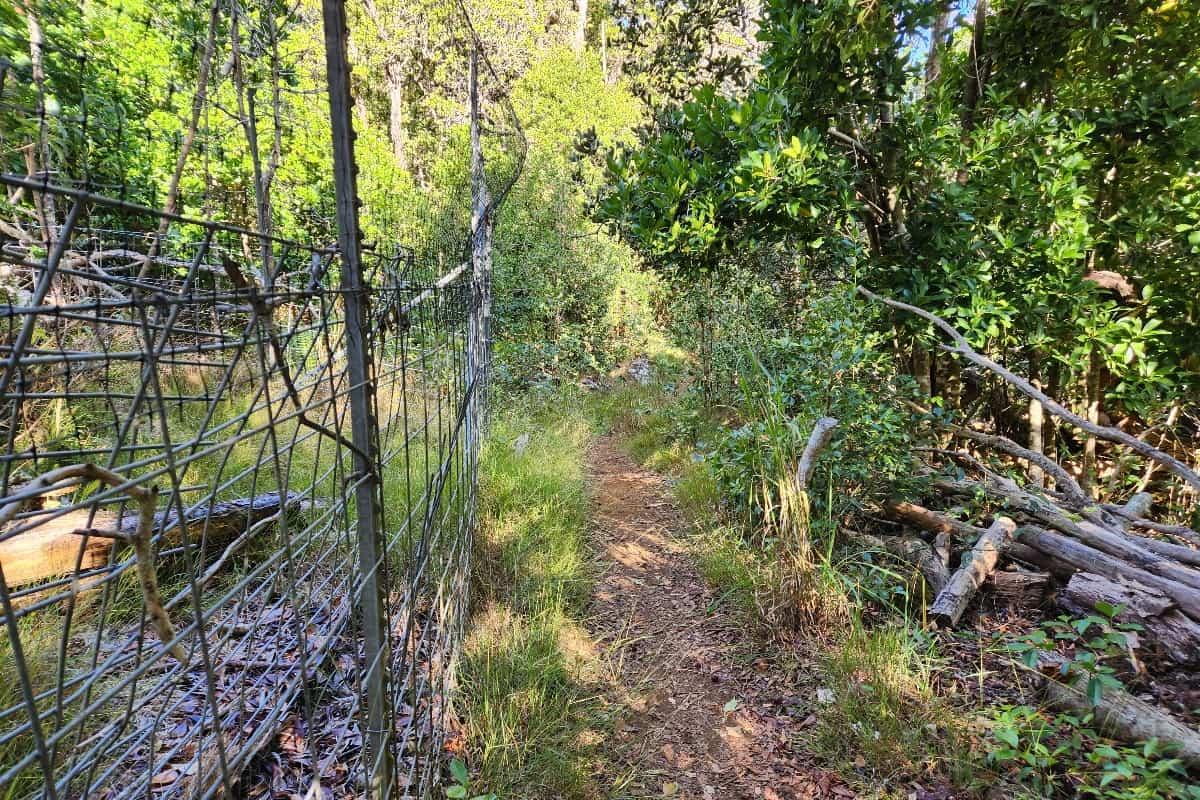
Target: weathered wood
(1114, 543)
(1022, 552)
(910, 550)
(1136, 507)
(1088, 559)
(1123, 716)
(977, 565)
(140, 534)
(52, 548)
(1178, 552)
(1162, 622)
(1018, 588)
(822, 432)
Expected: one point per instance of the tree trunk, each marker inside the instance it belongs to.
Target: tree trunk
(920, 362)
(976, 70)
(1037, 428)
(977, 566)
(42, 163)
(941, 27)
(1091, 385)
(604, 51)
(395, 86)
(581, 26)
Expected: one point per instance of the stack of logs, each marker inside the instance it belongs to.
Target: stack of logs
(1058, 547)
(1083, 558)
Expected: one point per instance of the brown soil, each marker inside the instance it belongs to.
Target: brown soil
(700, 714)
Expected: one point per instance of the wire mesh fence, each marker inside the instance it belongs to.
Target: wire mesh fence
(241, 421)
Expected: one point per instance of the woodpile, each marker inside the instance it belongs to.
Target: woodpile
(1054, 550)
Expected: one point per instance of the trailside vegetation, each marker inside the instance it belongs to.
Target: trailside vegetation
(967, 232)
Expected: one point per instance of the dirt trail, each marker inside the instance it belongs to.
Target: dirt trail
(702, 717)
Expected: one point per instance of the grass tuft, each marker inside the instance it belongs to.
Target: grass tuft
(883, 718)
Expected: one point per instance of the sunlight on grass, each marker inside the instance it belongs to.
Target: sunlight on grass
(883, 717)
(528, 673)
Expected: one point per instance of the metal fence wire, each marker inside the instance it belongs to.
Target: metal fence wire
(240, 402)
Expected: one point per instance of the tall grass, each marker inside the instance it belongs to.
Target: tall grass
(528, 676)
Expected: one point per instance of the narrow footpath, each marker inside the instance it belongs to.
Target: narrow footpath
(700, 715)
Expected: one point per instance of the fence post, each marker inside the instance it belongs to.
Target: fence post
(481, 266)
(367, 498)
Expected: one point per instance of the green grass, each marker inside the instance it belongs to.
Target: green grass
(529, 676)
(883, 719)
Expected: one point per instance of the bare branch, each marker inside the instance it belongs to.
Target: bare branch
(963, 349)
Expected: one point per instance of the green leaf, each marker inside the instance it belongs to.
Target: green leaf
(457, 792)
(732, 706)
(458, 770)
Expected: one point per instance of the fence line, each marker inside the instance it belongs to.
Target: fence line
(239, 473)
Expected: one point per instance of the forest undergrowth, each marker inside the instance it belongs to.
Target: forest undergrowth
(866, 691)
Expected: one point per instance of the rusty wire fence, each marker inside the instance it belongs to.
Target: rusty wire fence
(240, 436)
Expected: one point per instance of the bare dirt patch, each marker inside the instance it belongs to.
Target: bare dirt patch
(700, 714)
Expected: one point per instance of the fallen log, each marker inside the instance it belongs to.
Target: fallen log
(1178, 552)
(1113, 543)
(1178, 531)
(1022, 552)
(1018, 588)
(1123, 716)
(911, 551)
(1088, 559)
(977, 564)
(53, 547)
(1159, 616)
(932, 521)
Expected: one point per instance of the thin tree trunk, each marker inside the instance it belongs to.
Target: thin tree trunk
(189, 137)
(941, 28)
(604, 50)
(1037, 427)
(42, 162)
(1091, 385)
(921, 362)
(581, 26)
(395, 84)
(976, 67)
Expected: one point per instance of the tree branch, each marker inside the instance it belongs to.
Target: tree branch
(963, 349)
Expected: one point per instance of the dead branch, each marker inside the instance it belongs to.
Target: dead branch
(963, 349)
(1065, 481)
(821, 434)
